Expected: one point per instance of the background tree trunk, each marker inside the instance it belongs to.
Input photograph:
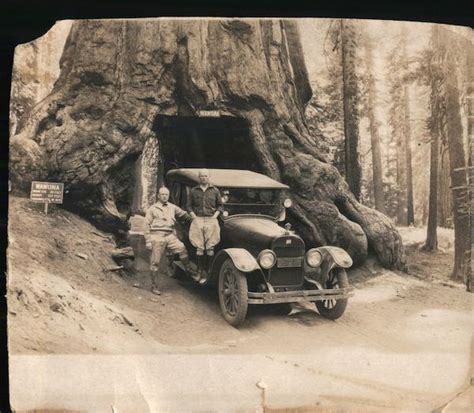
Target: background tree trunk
(377, 171)
(401, 129)
(402, 218)
(470, 136)
(445, 208)
(103, 129)
(397, 126)
(350, 95)
(431, 243)
(459, 171)
(436, 125)
(410, 214)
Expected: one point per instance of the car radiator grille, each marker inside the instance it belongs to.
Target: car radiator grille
(288, 251)
(288, 271)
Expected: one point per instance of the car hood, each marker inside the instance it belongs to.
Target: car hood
(252, 232)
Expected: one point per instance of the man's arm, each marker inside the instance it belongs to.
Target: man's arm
(146, 227)
(219, 204)
(181, 214)
(189, 205)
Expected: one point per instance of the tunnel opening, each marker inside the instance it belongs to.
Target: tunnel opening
(182, 142)
(205, 142)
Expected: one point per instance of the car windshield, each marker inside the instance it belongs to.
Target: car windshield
(252, 201)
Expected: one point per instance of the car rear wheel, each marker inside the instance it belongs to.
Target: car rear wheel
(332, 308)
(233, 293)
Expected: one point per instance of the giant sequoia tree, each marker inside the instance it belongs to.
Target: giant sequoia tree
(105, 128)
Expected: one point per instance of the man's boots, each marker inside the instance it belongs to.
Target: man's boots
(187, 266)
(197, 276)
(207, 261)
(154, 282)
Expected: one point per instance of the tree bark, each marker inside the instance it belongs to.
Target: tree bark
(445, 208)
(470, 136)
(431, 243)
(98, 133)
(402, 218)
(459, 171)
(408, 165)
(401, 128)
(353, 170)
(377, 171)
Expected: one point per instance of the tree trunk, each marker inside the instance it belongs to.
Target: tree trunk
(408, 165)
(377, 171)
(459, 172)
(103, 129)
(431, 243)
(470, 135)
(445, 208)
(350, 102)
(402, 218)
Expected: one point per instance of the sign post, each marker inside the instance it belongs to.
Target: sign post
(47, 192)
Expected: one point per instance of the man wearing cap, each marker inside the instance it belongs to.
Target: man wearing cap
(160, 235)
(204, 206)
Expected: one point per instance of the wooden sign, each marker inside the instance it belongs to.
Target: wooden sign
(47, 192)
(209, 113)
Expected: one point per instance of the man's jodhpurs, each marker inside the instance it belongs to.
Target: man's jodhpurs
(162, 243)
(204, 234)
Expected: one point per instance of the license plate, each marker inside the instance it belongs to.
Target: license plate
(289, 262)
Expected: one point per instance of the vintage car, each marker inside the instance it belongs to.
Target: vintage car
(258, 261)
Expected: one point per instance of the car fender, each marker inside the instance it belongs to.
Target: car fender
(242, 259)
(339, 256)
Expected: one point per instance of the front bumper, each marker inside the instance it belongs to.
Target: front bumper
(299, 296)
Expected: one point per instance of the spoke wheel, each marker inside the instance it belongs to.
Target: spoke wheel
(332, 308)
(233, 293)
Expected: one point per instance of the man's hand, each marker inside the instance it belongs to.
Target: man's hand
(148, 245)
(193, 215)
(216, 214)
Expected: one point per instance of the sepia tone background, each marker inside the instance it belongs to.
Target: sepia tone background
(358, 101)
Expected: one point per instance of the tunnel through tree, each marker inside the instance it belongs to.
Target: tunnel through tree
(205, 142)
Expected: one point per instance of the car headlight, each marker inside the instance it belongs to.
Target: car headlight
(266, 259)
(287, 203)
(314, 258)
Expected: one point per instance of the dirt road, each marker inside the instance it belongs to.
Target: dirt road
(82, 338)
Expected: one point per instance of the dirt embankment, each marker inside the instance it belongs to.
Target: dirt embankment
(403, 342)
(66, 297)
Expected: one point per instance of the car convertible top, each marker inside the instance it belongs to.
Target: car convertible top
(226, 178)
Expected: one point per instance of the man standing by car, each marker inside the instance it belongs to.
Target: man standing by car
(160, 235)
(204, 206)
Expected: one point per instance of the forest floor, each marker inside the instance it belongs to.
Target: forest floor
(81, 337)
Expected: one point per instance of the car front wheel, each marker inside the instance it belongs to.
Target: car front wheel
(332, 308)
(233, 293)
